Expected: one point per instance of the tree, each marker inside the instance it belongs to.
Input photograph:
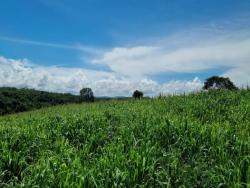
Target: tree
(137, 94)
(216, 82)
(87, 95)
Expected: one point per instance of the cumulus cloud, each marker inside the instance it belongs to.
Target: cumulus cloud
(140, 61)
(22, 73)
(133, 67)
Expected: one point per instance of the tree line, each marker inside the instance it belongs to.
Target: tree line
(14, 100)
(214, 82)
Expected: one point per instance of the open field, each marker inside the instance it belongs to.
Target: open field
(200, 140)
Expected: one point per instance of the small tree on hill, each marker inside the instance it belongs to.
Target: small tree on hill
(137, 94)
(216, 82)
(87, 95)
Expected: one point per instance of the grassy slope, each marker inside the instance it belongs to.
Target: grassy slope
(198, 141)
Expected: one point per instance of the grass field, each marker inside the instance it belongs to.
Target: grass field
(200, 140)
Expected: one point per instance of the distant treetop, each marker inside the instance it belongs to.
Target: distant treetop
(86, 95)
(217, 82)
(137, 94)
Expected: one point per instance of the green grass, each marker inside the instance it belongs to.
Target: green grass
(200, 140)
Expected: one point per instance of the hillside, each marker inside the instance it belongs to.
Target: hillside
(14, 100)
(200, 140)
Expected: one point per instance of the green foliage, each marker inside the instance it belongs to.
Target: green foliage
(137, 94)
(199, 140)
(87, 95)
(216, 82)
(14, 100)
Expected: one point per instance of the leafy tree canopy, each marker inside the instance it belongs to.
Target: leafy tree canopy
(87, 95)
(137, 94)
(216, 82)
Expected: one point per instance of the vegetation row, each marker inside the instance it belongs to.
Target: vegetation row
(14, 100)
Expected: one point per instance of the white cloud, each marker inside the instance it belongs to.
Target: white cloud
(22, 73)
(240, 75)
(132, 66)
(139, 61)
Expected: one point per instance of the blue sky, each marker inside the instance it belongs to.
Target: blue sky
(139, 42)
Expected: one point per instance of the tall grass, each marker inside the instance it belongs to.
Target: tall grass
(200, 140)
